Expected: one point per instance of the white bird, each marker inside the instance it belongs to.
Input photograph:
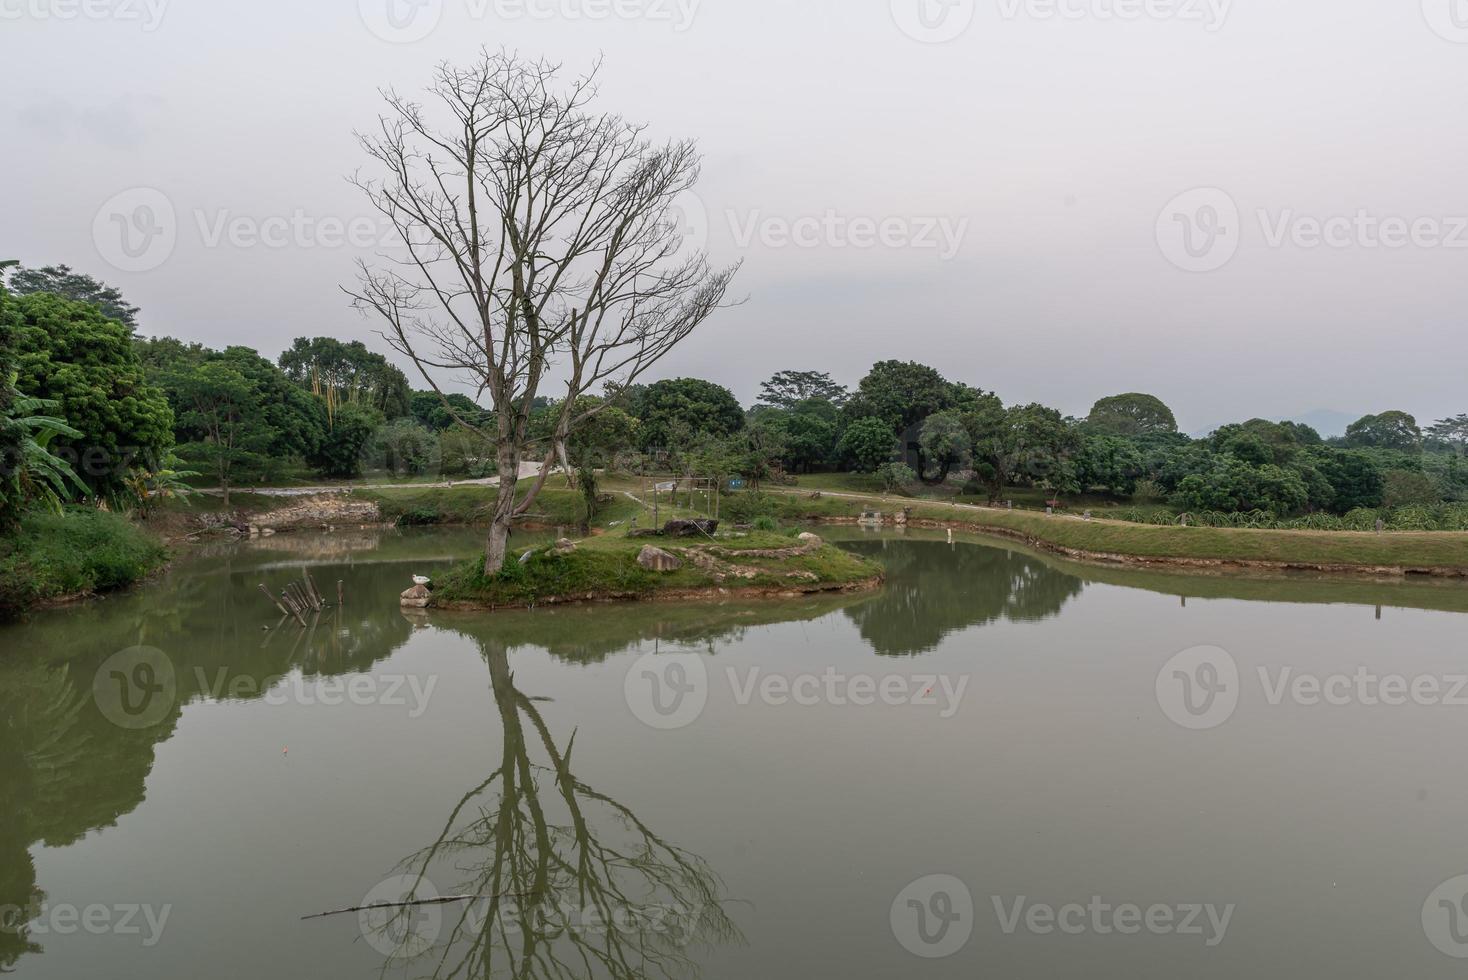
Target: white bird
(421, 580)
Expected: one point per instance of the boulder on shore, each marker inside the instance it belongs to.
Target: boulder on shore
(415, 598)
(658, 560)
(564, 546)
(690, 529)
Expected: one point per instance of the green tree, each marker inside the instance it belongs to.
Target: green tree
(901, 394)
(945, 443)
(789, 388)
(1450, 433)
(1389, 430)
(810, 430)
(675, 413)
(867, 444)
(341, 452)
(1131, 414)
(60, 280)
(431, 411)
(69, 352)
(223, 406)
(1355, 479)
(1026, 444)
(403, 448)
(1109, 463)
(347, 374)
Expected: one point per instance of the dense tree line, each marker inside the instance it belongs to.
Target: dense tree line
(90, 410)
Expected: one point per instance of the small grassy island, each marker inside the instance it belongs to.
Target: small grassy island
(621, 567)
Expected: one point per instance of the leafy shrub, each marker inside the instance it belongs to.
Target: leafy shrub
(766, 523)
(895, 476)
(75, 552)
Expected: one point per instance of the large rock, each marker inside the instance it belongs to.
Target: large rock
(564, 546)
(690, 529)
(658, 560)
(811, 541)
(415, 598)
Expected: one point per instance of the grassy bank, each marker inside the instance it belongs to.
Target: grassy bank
(426, 506)
(1435, 552)
(605, 568)
(77, 553)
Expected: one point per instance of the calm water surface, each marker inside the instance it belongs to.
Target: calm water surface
(999, 765)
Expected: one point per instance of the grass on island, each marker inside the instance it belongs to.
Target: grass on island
(74, 553)
(605, 567)
(1414, 550)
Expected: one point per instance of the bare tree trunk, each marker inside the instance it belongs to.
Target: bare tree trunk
(496, 544)
(538, 485)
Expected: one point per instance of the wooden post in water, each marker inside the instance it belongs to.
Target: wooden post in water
(283, 610)
(340, 599)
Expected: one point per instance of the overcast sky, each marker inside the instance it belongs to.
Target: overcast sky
(1000, 188)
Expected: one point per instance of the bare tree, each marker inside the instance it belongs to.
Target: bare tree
(539, 249)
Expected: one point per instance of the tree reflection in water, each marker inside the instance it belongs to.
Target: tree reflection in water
(934, 589)
(559, 879)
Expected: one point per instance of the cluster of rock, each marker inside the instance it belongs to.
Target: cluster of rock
(678, 529)
(716, 561)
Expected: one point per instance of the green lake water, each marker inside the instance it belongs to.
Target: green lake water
(999, 765)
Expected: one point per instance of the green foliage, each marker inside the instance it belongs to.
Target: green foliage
(895, 476)
(403, 448)
(1110, 464)
(1132, 414)
(430, 411)
(1406, 487)
(70, 353)
(79, 551)
(1389, 430)
(465, 454)
(347, 374)
(29, 472)
(1234, 485)
(342, 449)
(867, 444)
(60, 280)
(901, 394)
(787, 389)
(681, 412)
(765, 523)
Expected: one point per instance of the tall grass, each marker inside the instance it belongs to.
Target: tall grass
(76, 552)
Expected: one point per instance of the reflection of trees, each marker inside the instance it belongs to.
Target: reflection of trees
(934, 589)
(66, 770)
(566, 881)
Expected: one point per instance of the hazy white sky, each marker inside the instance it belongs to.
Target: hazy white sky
(994, 187)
